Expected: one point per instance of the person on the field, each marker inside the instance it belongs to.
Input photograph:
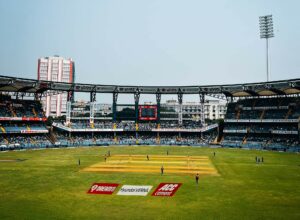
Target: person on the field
(197, 178)
(79, 162)
(167, 152)
(105, 158)
(162, 170)
(262, 159)
(214, 154)
(147, 157)
(256, 159)
(109, 153)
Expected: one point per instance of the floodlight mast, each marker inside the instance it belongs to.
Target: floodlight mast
(266, 31)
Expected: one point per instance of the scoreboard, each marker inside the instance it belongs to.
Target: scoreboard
(147, 112)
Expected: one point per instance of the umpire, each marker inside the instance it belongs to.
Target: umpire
(197, 178)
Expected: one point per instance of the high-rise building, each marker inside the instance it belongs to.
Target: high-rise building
(56, 69)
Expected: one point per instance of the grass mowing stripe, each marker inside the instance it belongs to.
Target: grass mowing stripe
(50, 185)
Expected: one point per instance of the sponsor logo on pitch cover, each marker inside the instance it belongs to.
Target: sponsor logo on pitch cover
(133, 190)
(103, 188)
(166, 189)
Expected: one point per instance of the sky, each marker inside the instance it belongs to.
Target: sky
(157, 42)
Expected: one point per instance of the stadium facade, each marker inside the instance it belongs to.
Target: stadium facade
(262, 115)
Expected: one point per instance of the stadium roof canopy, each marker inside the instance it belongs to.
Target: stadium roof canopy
(282, 87)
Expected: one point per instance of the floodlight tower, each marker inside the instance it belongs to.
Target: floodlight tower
(266, 31)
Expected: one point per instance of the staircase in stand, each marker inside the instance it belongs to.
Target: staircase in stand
(34, 112)
(12, 111)
(51, 137)
(2, 129)
(245, 139)
(238, 114)
(262, 114)
(290, 111)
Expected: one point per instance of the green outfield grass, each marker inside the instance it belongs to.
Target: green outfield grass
(49, 184)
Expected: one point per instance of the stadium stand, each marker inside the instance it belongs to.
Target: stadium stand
(263, 123)
(145, 138)
(146, 126)
(264, 115)
(22, 124)
(131, 125)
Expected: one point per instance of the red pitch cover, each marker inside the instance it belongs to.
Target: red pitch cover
(166, 189)
(103, 188)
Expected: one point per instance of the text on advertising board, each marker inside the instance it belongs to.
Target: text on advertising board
(166, 189)
(103, 188)
(133, 190)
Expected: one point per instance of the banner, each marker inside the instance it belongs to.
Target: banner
(263, 120)
(103, 188)
(176, 130)
(244, 131)
(203, 129)
(283, 132)
(34, 131)
(166, 189)
(85, 129)
(22, 119)
(10, 119)
(133, 190)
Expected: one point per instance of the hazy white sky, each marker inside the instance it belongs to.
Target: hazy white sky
(163, 42)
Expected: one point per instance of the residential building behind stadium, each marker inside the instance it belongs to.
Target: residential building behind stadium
(57, 69)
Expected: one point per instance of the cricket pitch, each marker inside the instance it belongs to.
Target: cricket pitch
(189, 165)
